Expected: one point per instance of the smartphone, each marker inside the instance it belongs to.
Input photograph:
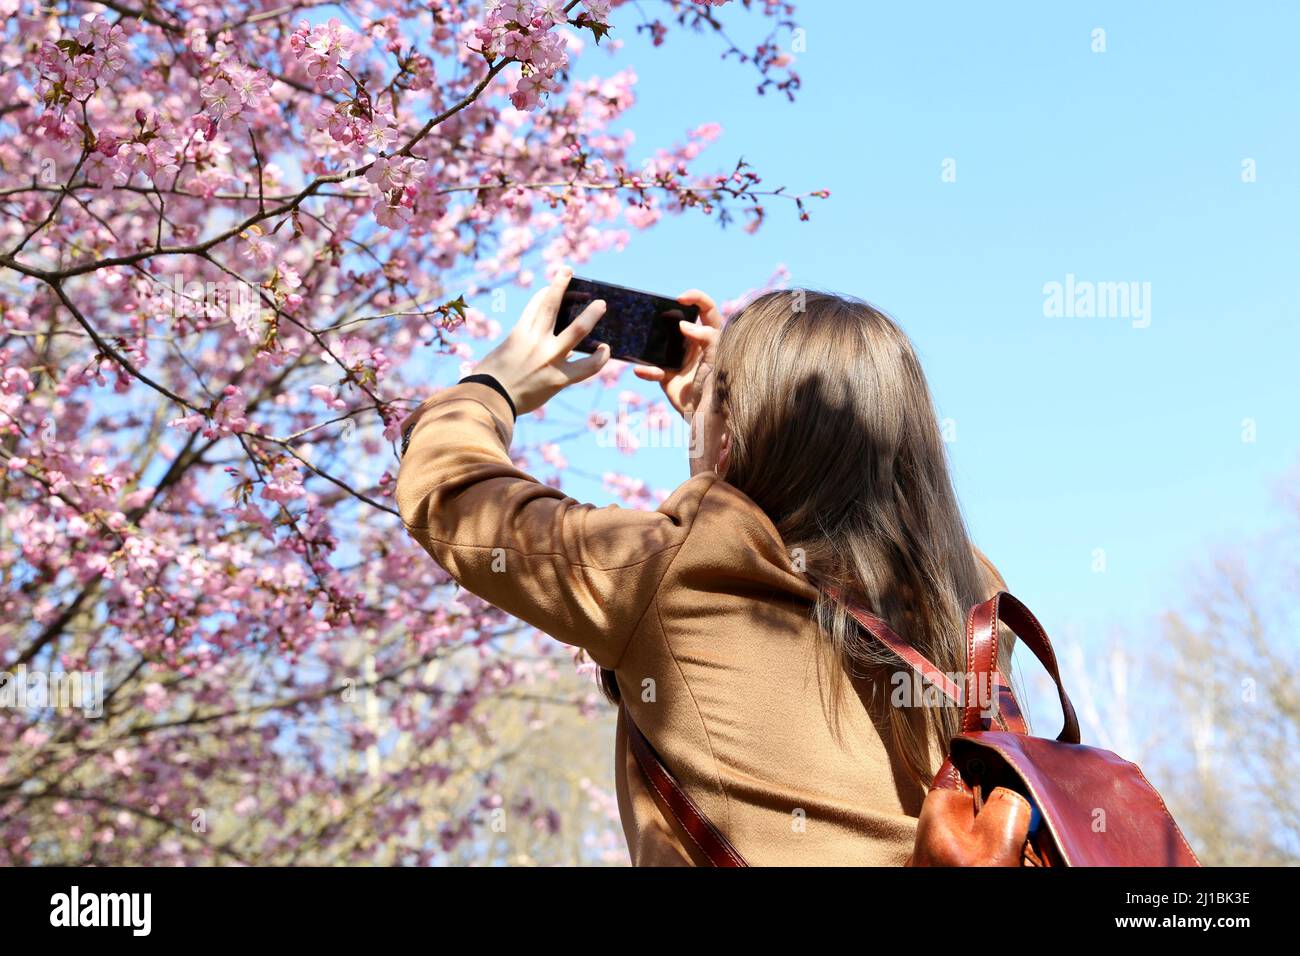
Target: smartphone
(637, 326)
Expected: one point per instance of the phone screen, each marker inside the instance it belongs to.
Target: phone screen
(637, 326)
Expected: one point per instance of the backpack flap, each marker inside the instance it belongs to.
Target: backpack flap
(1097, 808)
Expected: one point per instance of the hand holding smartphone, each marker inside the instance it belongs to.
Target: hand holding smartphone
(638, 327)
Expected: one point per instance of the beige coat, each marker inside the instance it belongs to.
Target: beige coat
(706, 625)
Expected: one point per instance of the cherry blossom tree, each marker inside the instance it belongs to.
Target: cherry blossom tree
(236, 240)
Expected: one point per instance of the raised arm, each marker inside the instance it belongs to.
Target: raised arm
(582, 574)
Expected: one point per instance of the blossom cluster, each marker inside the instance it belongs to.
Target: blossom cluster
(237, 248)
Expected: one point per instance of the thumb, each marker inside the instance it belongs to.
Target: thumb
(585, 368)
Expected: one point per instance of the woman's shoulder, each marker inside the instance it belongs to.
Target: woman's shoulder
(732, 537)
(717, 505)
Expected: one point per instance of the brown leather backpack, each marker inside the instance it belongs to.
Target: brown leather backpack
(1086, 806)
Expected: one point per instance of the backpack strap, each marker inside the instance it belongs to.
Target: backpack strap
(670, 795)
(981, 637)
(1009, 714)
(981, 643)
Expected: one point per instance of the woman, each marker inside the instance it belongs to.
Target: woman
(816, 461)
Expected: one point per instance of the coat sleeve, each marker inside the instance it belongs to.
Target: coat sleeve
(582, 574)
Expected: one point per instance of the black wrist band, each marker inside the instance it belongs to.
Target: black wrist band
(491, 382)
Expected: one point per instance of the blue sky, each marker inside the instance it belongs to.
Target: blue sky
(1072, 433)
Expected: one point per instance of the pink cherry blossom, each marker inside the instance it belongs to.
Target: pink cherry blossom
(237, 249)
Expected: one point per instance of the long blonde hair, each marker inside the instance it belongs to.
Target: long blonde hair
(834, 435)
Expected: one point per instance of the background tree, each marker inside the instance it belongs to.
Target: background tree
(237, 240)
(1205, 701)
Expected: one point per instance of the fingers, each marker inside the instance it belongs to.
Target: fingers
(709, 313)
(580, 328)
(697, 297)
(528, 320)
(542, 308)
(586, 367)
(651, 373)
(704, 334)
(700, 342)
